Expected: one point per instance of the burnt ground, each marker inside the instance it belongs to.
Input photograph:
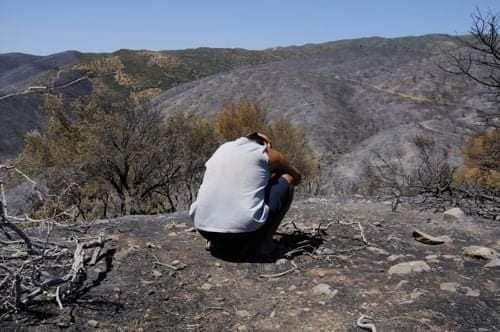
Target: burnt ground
(206, 293)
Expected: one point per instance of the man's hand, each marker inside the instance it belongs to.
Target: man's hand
(278, 164)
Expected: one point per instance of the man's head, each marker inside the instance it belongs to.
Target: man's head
(259, 138)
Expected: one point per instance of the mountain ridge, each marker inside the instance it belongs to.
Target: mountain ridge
(341, 92)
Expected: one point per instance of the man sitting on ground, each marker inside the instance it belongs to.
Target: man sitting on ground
(247, 188)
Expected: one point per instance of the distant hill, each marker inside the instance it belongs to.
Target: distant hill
(22, 81)
(352, 96)
(25, 78)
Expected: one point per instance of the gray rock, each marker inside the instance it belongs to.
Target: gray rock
(378, 251)
(206, 286)
(93, 323)
(449, 286)
(495, 262)
(454, 214)
(409, 267)
(282, 261)
(157, 273)
(242, 313)
(472, 292)
(393, 258)
(324, 289)
(401, 284)
(480, 252)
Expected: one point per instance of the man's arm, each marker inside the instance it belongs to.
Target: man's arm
(279, 164)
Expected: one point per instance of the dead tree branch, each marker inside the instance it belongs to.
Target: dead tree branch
(33, 269)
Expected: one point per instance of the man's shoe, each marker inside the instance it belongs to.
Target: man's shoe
(266, 248)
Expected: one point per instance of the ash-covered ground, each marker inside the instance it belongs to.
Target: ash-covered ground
(338, 260)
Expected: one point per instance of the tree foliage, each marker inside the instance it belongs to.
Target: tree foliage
(120, 158)
(481, 155)
(240, 119)
(291, 141)
(113, 157)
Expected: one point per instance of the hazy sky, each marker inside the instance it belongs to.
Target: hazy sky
(49, 26)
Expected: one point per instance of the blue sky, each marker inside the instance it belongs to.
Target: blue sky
(44, 27)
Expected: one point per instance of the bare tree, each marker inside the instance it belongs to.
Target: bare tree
(39, 268)
(431, 176)
(479, 58)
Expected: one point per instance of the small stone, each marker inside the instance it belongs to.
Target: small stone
(157, 273)
(324, 289)
(93, 323)
(393, 258)
(273, 314)
(449, 286)
(432, 258)
(454, 214)
(172, 234)
(292, 288)
(472, 292)
(242, 328)
(217, 264)
(378, 251)
(242, 313)
(494, 262)
(282, 261)
(325, 251)
(401, 284)
(146, 282)
(321, 274)
(117, 290)
(409, 267)
(63, 324)
(414, 295)
(176, 262)
(206, 286)
(480, 252)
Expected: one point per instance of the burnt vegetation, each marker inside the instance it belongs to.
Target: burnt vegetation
(432, 181)
(109, 154)
(119, 158)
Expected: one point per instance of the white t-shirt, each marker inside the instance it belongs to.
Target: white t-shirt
(231, 196)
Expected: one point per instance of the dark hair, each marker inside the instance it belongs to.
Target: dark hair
(255, 136)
